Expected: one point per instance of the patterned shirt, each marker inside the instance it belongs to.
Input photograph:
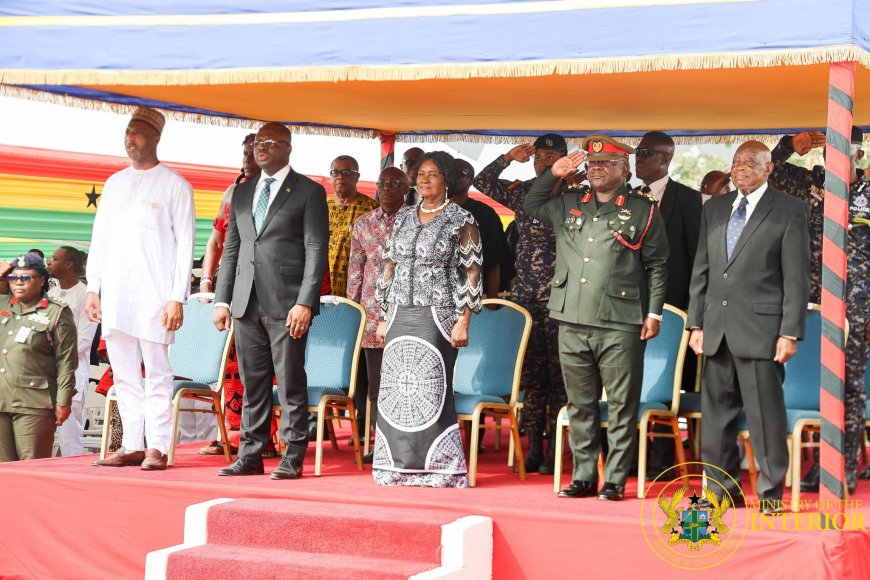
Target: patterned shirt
(433, 264)
(367, 244)
(341, 220)
(809, 185)
(536, 242)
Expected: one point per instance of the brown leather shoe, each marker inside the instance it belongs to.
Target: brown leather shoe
(154, 461)
(121, 458)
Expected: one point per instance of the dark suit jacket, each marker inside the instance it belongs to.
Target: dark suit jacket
(287, 259)
(762, 292)
(681, 209)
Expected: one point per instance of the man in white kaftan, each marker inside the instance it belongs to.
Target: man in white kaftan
(138, 279)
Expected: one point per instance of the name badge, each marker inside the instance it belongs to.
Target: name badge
(22, 335)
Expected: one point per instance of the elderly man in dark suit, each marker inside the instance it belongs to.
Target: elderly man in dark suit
(274, 255)
(748, 302)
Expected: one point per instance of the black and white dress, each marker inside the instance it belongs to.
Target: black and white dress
(431, 274)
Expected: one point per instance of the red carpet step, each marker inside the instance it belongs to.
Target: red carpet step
(260, 538)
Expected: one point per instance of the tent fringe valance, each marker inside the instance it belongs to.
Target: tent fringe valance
(252, 124)
(202, 119)
(618, 65)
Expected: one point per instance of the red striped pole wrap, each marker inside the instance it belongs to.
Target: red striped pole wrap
(388, 150)
(841, 90)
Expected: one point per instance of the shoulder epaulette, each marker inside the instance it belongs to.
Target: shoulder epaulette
(636, 193)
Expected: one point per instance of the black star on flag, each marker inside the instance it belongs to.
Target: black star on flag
(92, 196)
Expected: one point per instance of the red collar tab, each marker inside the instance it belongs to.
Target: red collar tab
(586, 198)
(14, 300)
(43, 303)
(620, 200)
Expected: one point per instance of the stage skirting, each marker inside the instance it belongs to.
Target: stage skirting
(62, 518)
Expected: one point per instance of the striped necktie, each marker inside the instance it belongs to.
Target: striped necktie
(262, 203)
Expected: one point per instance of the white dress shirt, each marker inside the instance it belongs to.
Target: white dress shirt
(657, 188)
(279, 177)
(752, 200)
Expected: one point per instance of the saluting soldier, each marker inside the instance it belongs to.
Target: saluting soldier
(38, 361)
(607, 293)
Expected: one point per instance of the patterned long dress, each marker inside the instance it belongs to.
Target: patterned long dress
(431, 273)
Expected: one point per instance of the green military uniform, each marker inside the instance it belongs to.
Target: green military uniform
(610, 273)
(38, 360)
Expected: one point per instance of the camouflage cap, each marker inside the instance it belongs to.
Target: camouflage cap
(604, 147)
(552, 141)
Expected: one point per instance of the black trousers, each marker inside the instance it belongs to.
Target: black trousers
(732, 383)
(265, 349)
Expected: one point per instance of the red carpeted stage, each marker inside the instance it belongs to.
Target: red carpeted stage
(63, 518)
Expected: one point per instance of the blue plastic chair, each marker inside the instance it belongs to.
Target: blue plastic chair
(331, 359)
(198, 359)
(660, 394)
(486, 378)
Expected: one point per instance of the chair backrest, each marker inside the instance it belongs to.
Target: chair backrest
(803, 372)
(332, 352)
(200, 349)
(663, 360)
(492, 362)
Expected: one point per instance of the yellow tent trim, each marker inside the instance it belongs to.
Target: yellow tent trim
(508, 69)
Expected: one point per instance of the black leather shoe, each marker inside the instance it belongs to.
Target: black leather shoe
(368, 458)
(771, 507)
(243, 467)
(810, 482)
(737, 501)
(578, 488)
(864, 474)
(612, 492)
(852, 482)
(287, 470)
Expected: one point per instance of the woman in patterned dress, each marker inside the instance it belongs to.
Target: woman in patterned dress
(429, 285)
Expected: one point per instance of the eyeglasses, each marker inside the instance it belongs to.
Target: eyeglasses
(23, 278)
(391, 183)
(345, 172)
(647, 152)
(268, 143)
(601, 163)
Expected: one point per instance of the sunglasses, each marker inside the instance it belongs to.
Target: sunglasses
(391, 183)
(646, 152)
(345, 172)
(23, 278)
(268, 143)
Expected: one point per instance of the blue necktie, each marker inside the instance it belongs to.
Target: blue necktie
(735, 226)
(263, 203)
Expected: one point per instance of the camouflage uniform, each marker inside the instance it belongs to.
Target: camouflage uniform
(809, 185)
(535, 264)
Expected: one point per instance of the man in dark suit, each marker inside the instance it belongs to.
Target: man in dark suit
(680, 208)
(748, 302)
(275, 254)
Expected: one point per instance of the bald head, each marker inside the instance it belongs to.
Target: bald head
(751, 166)
(392, 187)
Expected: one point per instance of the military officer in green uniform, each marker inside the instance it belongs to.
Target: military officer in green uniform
(607, 294)
(38, 360)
